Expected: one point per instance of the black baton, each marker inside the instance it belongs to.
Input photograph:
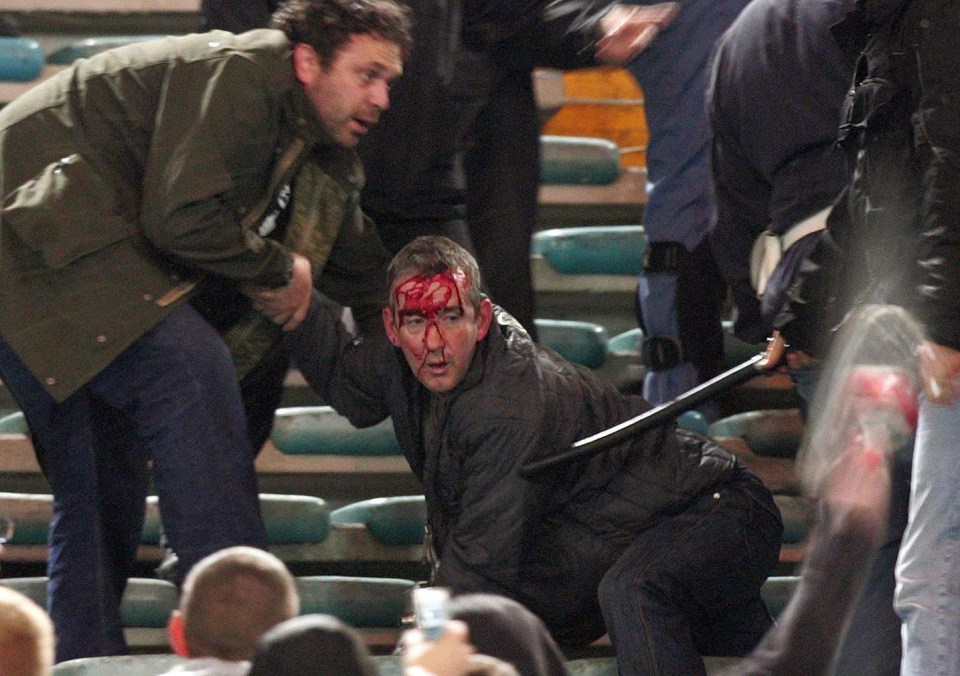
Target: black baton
(601, 441)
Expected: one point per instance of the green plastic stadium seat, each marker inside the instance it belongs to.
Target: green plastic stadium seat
(577, 160)
(319, 430)
(289, 519)
(580, 342)
(628, 341)
(593, 666)
(770, 432)
(693, 421)
(31, 514)
(395, 520)
(87, 47)
(21, 59)
(798, 517)
(14, 423)
(776, 592)
(597, 249)
(362, 602)
(122, 665)
(146, 603)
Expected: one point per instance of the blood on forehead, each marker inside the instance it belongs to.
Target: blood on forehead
(429, 293)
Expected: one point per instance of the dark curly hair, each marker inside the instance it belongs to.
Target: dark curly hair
(326, 25)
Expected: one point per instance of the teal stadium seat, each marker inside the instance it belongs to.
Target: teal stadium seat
(363, 602)
(87, 47)
(776, 592)
(596, 249)
(21, 59)
(798, 517)
(146, 603)
(289, 519)
(768, 432)
(14, 423)
(580, 342)
(319, 430)
(395, 520)
(577, 160)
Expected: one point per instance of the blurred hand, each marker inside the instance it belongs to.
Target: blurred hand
(285, 305)
(939, 372)
(626, 30)
(447, 656)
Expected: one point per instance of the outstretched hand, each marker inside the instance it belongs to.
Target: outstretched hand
(285, 305)
(626, 30)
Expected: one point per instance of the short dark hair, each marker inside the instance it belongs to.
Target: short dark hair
(430, 255)
(327, 25)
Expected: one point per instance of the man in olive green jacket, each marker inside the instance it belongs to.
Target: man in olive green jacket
(127, 179)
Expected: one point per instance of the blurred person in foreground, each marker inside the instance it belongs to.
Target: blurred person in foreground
(229, 600)
(26, 636)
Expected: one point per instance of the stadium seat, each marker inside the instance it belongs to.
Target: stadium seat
(798, 517)
(397, 520)
(147, 603)
(321, 430)
(87, 47)
(577, 160)
(771, 432)
(21, 59)
(776, 592)
(363, 602)
(14, 423)
(289, 519)
(592, 250)
(583, 343)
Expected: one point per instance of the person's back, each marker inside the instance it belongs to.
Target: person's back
(775, 114)
(230, 599)
(26, 636)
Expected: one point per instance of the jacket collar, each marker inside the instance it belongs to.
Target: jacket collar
(304, 118)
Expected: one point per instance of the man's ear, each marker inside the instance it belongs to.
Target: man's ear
(177, 634)
(390, 327)
(306, 63)
(485, 319)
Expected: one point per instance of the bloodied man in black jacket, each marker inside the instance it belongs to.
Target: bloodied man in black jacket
(663, 541)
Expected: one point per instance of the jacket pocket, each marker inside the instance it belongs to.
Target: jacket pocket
(66, 212)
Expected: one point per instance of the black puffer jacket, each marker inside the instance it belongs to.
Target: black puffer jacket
(900, 232)
(495, 531)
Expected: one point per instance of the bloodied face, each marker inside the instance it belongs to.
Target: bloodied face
(436, 327)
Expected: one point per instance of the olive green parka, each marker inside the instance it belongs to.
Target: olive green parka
(132, 174)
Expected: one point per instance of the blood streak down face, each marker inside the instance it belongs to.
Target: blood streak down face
(435, 327)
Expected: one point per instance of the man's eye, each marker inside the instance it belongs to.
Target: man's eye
(413, 322)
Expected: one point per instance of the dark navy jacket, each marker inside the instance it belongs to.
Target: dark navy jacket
(777, 86)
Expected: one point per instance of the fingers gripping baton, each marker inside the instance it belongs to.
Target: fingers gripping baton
(591, 446)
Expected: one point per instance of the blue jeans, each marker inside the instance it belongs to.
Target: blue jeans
(928, 569)
(690, 586)
(171, 398)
